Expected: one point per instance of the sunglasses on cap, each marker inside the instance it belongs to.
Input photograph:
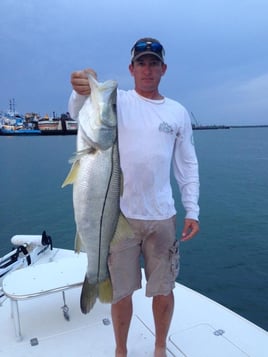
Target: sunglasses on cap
(145, 46)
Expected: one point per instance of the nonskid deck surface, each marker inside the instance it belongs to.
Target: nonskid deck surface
(46, 332)
(200, 327)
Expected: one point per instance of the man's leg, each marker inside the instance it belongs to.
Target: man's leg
(163, 307)
(121, 316)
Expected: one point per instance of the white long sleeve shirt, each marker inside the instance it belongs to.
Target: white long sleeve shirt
(154, 135)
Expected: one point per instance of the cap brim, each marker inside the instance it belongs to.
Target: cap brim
(144, 53)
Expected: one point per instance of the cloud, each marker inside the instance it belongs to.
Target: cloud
(233, 101)
(254, 87)
(214, 49)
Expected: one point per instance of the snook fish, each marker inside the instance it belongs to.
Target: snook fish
(95, 175)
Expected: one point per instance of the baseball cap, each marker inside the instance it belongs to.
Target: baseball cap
(147, 46)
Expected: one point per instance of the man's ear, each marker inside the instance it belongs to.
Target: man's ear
(164, 68)
(131, 68)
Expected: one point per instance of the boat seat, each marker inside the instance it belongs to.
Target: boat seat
(43, 279)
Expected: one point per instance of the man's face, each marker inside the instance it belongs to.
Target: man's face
(147, 72)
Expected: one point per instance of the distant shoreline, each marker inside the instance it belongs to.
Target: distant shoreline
(215, 127)
(74, 132)
(249, 126)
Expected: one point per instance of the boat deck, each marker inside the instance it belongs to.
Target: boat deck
(200, 327)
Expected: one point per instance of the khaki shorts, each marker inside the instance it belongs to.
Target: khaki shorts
(155, 242)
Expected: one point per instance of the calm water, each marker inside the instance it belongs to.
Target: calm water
(227, 261)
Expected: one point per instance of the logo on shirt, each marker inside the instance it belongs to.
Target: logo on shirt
(165, 128)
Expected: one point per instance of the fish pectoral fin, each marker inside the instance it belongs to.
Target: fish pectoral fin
(123, 230)
(106, 291)
(72, 175)
(88, 296)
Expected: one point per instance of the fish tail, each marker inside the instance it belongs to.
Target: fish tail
(88, 296)
(90, 293)
(106, 291)
(71, 177)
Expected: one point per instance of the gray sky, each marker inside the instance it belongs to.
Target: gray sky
(216, 51)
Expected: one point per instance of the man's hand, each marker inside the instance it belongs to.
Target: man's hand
(190, 229)
(79, 81)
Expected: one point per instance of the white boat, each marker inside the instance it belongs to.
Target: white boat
(71, 124)
(40, 316)
(49, 124)
(26, 250)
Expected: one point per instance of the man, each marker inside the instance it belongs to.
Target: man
(154, 133)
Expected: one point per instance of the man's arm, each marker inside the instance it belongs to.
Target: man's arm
(185, 166)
